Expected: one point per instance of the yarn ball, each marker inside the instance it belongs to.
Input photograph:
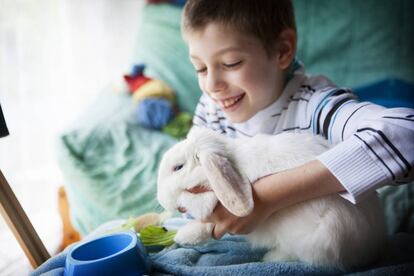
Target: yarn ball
(153, 89)
(154, 113)
(135, 82)
(137, 70)
(136, 78)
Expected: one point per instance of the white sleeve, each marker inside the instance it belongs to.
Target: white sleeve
(375, 145)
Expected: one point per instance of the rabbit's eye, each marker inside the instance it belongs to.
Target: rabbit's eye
(178, 167)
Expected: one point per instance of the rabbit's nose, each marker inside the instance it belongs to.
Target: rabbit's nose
(182, 209)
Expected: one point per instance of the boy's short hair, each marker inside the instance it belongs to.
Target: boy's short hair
(264, 19)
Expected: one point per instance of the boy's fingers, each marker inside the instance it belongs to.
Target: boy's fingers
(218, 232)
(216, 215)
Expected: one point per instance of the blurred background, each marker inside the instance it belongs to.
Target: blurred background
(55, 56)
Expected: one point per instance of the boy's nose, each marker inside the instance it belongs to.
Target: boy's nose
(215, 83)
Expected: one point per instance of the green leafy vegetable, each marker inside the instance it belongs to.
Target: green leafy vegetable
(157, 235)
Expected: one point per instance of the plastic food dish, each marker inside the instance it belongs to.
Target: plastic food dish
(115, 254)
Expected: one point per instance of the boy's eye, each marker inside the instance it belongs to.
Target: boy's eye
(178, 167)
(232, 65)
(201, 70)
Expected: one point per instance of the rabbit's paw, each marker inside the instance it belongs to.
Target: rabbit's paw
(193, 233)
(275, 254)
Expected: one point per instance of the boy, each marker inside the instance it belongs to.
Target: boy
(243, 52)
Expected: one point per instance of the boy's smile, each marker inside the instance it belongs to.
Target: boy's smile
(235, 70)
(230, 104)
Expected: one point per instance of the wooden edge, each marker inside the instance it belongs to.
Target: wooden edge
(70, 234)
(21, 226)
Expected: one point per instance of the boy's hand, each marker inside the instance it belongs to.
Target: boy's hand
(226, 222)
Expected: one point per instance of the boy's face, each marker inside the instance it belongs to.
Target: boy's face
(235, 70)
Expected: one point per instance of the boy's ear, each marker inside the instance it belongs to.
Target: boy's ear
(286, 48)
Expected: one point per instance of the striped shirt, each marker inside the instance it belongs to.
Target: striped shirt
(374, 146)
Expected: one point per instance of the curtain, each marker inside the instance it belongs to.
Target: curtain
(55, 56)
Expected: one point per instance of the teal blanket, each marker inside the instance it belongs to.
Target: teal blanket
(110, 163)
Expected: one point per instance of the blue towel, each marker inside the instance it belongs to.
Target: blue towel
(230, 256)
(233, 256)
(52, 267)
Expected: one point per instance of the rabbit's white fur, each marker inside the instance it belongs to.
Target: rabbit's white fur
(328, 231)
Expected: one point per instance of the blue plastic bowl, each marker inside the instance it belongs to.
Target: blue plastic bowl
(114, 254)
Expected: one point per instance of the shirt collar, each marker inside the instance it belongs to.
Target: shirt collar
(265, 120)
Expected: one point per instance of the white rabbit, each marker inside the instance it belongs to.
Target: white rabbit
(208, 167)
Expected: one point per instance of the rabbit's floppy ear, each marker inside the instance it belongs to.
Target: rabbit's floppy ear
(232, 190)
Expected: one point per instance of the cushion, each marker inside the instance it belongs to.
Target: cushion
(356, 42)
(389, 93)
